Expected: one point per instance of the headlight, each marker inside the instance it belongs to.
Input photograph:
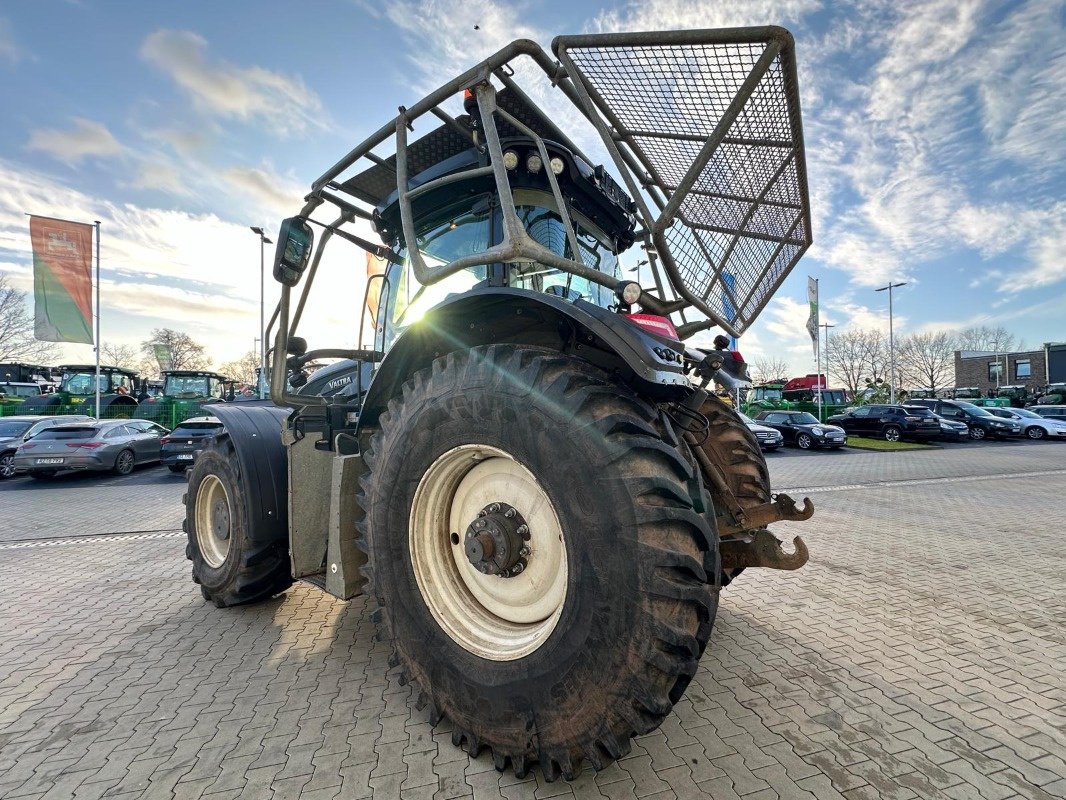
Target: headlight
(628, 292)
(533, 162)
(510, 159)
(557, 165)
(818, 431)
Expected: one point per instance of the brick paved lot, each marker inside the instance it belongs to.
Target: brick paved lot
(920, 654)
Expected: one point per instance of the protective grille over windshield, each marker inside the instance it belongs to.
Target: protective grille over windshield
(710, 124)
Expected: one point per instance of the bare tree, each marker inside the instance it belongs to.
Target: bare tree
(768, 368)
(17, 342)
(185, 352)
(927, 360)
(242, 369)
(119, 355)
(857, 357)
(985, 337)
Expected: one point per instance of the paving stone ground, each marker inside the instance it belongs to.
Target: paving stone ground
(920, 654)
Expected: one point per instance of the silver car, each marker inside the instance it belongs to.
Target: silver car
(117, 445)
(18, 429)
(1033, 425)
(769, 439)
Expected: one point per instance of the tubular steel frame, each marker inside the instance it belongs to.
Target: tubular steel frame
(587, 68)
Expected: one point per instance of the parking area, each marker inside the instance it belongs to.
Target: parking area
(920, 654)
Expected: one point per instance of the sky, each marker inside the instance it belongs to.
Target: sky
(935, 134)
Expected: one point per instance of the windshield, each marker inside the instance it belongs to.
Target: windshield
(538, 213)
(763, 393)
(9, 430)
(186, 386)
(66, 433)
(1025, 412)
(746, 419)
(977, 411)
(82, 383)
(12, 390)
(803, 419)
(195, 428)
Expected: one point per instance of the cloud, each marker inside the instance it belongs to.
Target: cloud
(281, 196)
(86, 139)
(226, 90)
(658, 15)
(10, 51)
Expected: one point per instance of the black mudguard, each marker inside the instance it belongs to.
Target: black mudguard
(651, 364)
(255, 429)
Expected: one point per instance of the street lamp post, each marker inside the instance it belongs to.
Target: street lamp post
(891, 341)
(263, 242)
(821, 396)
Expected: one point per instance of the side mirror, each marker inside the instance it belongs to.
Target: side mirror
(294, 250)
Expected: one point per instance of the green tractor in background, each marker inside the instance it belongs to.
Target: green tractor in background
(1012, 396)
(1054, 394)
(77, 393)
(972, 394)
(185, 392)
(765, 397)
(833, 401)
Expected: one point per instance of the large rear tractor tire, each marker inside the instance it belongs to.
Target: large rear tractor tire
(232, 562)
(536, 538)
(733, 448)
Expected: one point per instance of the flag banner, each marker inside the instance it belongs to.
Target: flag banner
(812, 320)
(164, 356)
(62, 280)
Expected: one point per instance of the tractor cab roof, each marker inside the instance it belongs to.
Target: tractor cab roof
(193, 373)
(103, 369)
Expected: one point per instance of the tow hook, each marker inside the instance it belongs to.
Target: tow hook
(761, 549)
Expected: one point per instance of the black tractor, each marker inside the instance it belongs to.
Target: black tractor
(523, 462)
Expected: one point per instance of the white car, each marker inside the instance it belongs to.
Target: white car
(769, 439)
(1033, 425)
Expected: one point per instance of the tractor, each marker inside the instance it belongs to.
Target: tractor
(765, 397)
(77, 393)
(1013, 396)
(522, 462)
(184, 394)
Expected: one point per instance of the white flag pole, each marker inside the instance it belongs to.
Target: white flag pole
(97, 319)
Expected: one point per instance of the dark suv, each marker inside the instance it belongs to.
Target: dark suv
(890, 423)
(982, 424)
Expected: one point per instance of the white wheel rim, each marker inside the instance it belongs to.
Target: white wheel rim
(497, 618)
(213, 521)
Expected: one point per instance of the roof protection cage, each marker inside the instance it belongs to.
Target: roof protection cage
(708, 124)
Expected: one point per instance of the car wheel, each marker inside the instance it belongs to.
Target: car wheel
(1033, 432)
(977, 433)
(43, 474)
(124, 463)
(7, 465)
(892, 433)
(804, 441)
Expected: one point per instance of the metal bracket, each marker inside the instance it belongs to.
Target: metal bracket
(783, 507)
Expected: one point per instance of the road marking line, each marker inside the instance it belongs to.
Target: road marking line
(919, 481)
(120, 537)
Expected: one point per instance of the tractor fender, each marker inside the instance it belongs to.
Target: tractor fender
(42, 402)
(652, 365)
(109, 400)
(254, 429)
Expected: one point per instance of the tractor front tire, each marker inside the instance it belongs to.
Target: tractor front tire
(233, 563)
(593, 634)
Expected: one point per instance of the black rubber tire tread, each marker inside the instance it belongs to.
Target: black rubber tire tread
(257, 567)
(639, 607)
(732, 446)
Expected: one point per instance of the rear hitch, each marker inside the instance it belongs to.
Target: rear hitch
(783, 507)
(761, 549)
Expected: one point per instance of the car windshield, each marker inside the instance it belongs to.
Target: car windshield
(976, 411)
(803, 419)
(1025, 412)
(746, 419)
(196, 428)
(14, 390)
(66, 433)
(11, 429)
(918, 411)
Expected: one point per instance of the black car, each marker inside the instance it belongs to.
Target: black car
(178, 450)
(891, 423)
(951, 430)
(981, 423)
(803, 429)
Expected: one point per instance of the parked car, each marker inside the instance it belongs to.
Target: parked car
(891, 423)
(981, 423)
(1050, 412)
(16, 430)
(769, 439)
(951, 430)
(112, 444)
(1033, 425)
(178, 449)
(803, 429)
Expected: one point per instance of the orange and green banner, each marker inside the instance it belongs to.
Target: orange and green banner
(62, 280)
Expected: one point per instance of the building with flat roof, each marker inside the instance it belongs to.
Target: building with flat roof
(1032, 369)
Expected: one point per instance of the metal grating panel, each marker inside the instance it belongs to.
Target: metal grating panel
(742, 217)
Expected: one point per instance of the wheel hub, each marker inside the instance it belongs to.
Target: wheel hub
(496, 541)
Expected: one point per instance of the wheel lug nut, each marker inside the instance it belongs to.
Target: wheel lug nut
(523, 530)
(524, 551)
(494, 507)
(510, 513)
(517, 568)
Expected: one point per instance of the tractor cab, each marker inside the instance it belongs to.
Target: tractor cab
(78, 388)
(184, 393)
(1015, 396)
